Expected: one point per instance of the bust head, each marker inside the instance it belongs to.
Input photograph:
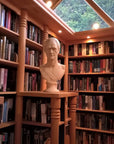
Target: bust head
(51, 47)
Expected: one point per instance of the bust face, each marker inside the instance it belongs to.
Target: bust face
(52, 50)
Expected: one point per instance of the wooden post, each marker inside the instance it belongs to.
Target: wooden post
(45, 36)
(66, 69)
(66, 137)
(20, 76)
(55, 119)
(72, 112)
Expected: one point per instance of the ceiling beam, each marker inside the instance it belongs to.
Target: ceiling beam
(101, 12)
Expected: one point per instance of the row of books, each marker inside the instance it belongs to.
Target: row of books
(8, 49)
(7, 79)
(91, 83)
(6, 109)
(37, 110)
(34, 33)
(36, 136)
(95, 121)
(9, 18)
(89, 66)
(95, 102)
(3, 79)
(104, 47)
(32, 81)
(33, 57)
(83, 137)
(7, 138)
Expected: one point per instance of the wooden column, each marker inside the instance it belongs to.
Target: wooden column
(55, 119)
(20, 76)
(66, 69)
(72, 112)
(44, 60)
(66, 137)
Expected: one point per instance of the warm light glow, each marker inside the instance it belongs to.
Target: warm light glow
(95, 26)
(49, 3)
(59, 31)
(88, 37)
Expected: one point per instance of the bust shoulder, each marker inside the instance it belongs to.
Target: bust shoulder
(62, 66)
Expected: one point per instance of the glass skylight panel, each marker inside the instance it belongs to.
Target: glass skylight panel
(107, 6)
(78, 15)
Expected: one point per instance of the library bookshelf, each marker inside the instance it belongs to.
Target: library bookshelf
(94, 110)
(24, 35)
(63, 105)
(67, 108)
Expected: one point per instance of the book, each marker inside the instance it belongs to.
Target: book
(1, 108)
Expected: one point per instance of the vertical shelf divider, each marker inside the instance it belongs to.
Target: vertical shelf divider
(72, 112)
(20, 76)
(44, 59)
(55, 119)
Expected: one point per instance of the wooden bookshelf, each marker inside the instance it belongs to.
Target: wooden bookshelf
(29, 67)
(96, 56)
(91, 97)
(48, 22)
(95, 111)
(97, 92)
(7, 124)
(8, 63)
(8, 92)
(92, 74)
(13, 35)
(57, 100)
(34, 45)
(95, 130)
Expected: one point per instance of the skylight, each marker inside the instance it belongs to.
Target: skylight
(80, 16)
(107, 6)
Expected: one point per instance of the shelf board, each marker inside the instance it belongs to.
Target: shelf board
(93, 73)
(95, 130)
(33, 45)
(8, 93)
(8, 63)
(33, 123)
(7, 124)
(97, 92)
(110, 55)
(60, 94)
(61, 56)
(61, 123)
(95, 111)
(68, 119)
(31, 67)
(9, 33)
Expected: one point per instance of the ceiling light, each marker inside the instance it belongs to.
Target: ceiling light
(88, 37)
(95, 26)
(49, 3)
(59, 31)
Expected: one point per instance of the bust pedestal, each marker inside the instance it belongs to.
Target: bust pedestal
(51, 87)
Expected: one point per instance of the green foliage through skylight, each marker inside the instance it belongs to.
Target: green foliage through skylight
(79, 15)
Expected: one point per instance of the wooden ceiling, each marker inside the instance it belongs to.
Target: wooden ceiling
(38, 10)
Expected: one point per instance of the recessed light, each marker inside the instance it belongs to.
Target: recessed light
(95, 26)
(88, 37)
(59, 31)
(49, 3)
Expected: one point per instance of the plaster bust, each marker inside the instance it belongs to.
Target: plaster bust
(52, 71)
